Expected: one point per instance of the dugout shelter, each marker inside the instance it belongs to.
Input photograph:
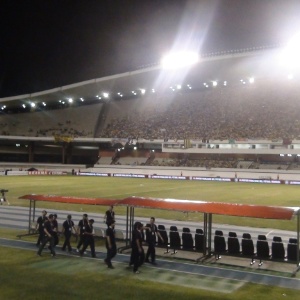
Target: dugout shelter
(207, 208)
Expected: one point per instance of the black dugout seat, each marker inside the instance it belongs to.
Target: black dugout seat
(233, 244)
(262, 249)
(220, 244)
(162, 230)
(248, 247)
(199, 240)
(278, 251)
(187, 239)
(292, 249)
(175, 241)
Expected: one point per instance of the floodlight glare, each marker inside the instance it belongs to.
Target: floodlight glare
(290, 76)
(175, 60)
(143, 91)
(70, 100)
(251, 80)
(32, 104)
(178, 86)
(291, 52)
(214, 83)
(81, 99)
(23, 105)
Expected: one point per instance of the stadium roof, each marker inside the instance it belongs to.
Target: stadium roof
(233, 65)
(229, 209)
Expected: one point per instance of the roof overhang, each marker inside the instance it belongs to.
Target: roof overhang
(229, 209)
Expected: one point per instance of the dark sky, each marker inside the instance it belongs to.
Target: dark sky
(48, 43)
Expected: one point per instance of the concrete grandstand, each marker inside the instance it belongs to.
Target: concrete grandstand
(232, 110)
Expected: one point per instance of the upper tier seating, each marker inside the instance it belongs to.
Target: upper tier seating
(72, 121)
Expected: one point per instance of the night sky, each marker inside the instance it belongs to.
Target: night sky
(48, 43)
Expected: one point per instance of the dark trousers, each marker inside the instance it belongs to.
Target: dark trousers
(137, 258)
(81, 240)
(67, 242)
(47, 239)
(89, 241)
(56, 240)
(151, 251)
(40, 238)
(111, 253)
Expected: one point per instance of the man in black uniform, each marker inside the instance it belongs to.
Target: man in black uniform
(68, 225)
(55, 229)
(151, 235)
(80, 229)
(88, 238)
(109, 216)
(110, 244)
(48, 237)
(40, 227)
(137, 247)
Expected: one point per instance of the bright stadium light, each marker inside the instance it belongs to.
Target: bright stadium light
(44, 104)
(23, 105)
(175, 60)
(290, 55)
(143, 91)
(81, 99)
(32, 104)
(251, 80)
(214, 83)
(70, 100)
(178, 86)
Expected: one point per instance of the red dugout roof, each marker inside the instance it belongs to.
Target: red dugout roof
(230, 209)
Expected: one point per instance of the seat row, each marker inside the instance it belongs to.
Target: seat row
(246, 248)
(197, 242)
(186, 241)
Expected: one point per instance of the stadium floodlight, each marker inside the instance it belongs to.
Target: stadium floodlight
(153, 90)
(70, 100)
(32, 104)
(44, 104)
(214, 83)
(178, 86)
(143, 91)
(251, 80)
(225, 83)
(81, 99)
(23, 105)
(175, 60)
(291, 52)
